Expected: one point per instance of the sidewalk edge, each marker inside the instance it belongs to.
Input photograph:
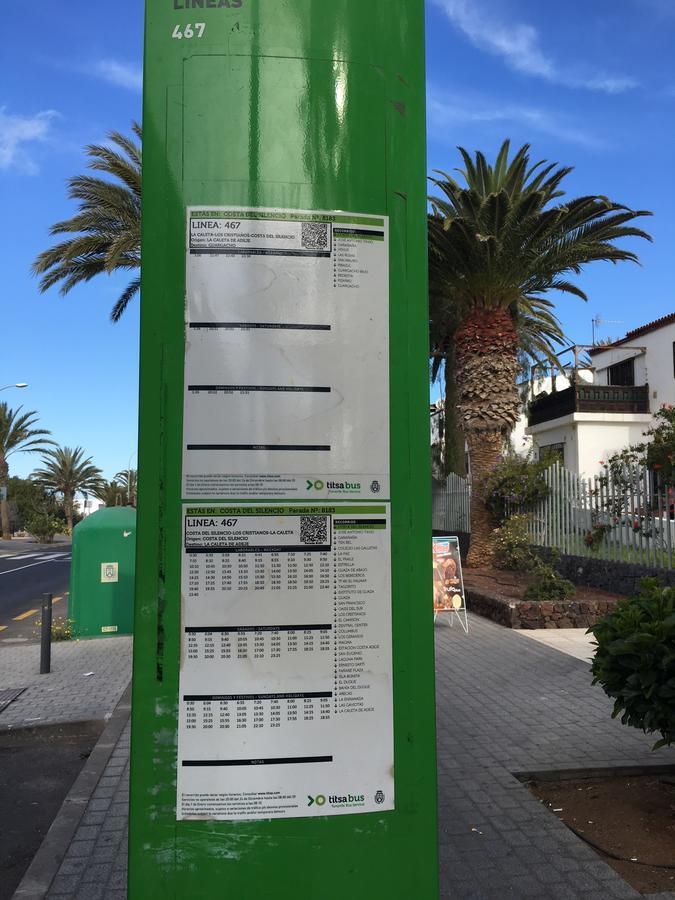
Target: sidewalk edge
(46, 863)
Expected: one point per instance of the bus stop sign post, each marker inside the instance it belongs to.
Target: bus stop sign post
(283, 740)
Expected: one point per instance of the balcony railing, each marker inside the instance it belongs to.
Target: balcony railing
(589, 398)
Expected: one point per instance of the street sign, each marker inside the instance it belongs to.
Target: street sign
(110, 573)
(283, 732)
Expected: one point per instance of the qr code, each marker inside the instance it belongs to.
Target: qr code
(315, 235)
(313, 529)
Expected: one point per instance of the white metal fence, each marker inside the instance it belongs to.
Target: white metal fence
(451, 510)
(621, 516)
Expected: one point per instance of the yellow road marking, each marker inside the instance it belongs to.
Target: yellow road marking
(4, 627)
(26, 615)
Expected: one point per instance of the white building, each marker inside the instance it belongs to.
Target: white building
(88, 505)
(608, 405)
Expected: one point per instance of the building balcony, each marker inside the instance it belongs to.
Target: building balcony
(589, 398)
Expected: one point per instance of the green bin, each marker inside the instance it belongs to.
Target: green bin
(103, 572)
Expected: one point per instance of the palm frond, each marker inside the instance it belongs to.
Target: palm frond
(502, 236)
(18, 432)
(106, 230)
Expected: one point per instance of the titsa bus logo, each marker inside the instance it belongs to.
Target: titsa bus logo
(336, 800)
(335, 487)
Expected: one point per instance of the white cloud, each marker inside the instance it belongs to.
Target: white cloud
(18, 131)
(446, 110)
(126, 75)
(519, 45)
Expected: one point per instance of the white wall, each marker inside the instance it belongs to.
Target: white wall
(589, 438)
(604, 434)
(562, 433)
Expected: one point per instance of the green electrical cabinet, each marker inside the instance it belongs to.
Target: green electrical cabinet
(283, 732)
(102, 574)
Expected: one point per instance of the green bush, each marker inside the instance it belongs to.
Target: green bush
(513, 551)
(548, 585)
(516, 482)
(512, 548)
(62, 629)
(44, 527)
(635, 660)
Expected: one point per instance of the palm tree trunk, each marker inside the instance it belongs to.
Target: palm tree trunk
(4, 505)
(488, 406)
(485, 448)
(453, 436)
(68, 500)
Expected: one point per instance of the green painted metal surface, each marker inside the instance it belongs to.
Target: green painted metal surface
(301, 104)
(101, 601)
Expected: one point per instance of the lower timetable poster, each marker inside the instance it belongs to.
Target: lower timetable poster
(285, 685)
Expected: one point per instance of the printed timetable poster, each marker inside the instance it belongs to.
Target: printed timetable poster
(286, 703)
(286, 392)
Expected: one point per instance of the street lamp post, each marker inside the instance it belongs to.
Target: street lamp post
(19, 384)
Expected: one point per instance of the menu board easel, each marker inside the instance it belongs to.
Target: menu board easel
(449, 597)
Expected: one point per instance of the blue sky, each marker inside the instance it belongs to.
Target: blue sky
(588, 84)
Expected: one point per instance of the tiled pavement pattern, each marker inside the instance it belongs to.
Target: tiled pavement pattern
(68, 693)
(505, 704)
(95, 865)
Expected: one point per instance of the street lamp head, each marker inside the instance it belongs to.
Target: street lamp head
(21, 384)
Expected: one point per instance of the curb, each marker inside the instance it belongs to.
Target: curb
(47, 861)
(572, 774)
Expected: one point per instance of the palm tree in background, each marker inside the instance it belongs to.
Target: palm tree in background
(128, 480)
(18, 434)
(111, 493)
(500, 241)
(106, 231)
(66, 471)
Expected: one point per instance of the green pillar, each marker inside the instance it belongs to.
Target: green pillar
(283, 737)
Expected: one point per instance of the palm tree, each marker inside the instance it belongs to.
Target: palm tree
(18, 434)
(107, 227)
(66, 471)
(111, 493)
(128, 480)
(502, 241)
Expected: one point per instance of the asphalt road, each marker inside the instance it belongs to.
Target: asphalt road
(26, 572)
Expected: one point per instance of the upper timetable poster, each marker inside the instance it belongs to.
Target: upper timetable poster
(287, 355)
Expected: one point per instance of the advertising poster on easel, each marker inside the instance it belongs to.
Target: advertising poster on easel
(449, 597)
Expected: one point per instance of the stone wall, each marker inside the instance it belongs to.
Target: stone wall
(581, 613)
(615, 577)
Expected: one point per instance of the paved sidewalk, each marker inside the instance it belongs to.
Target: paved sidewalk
(505, 705)
(574, 641)
(508, 705)
(95, 865)
(86, 681)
